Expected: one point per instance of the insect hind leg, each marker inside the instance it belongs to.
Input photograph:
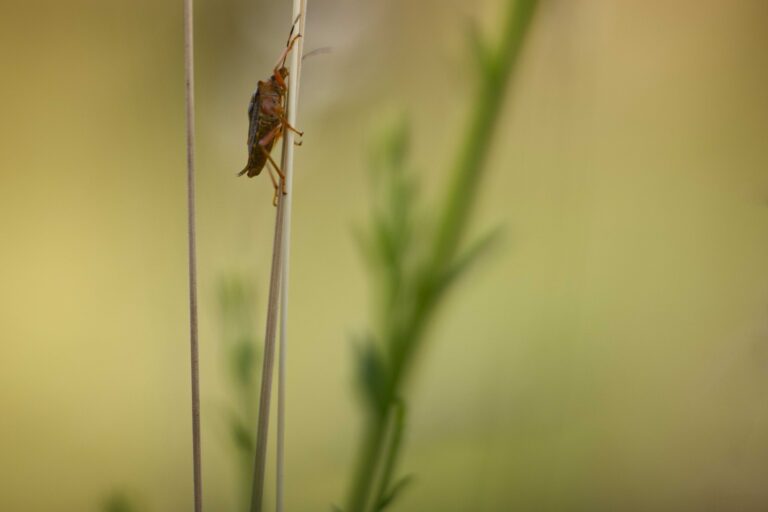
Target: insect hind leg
(271, 162)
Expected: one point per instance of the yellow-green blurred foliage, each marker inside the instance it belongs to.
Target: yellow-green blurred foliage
(612, 356)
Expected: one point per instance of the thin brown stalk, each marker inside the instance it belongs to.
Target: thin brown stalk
(191, 231)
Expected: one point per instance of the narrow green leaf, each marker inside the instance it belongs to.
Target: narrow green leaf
(244, 361)
(394, 492)
(398, 145)
(469, 257)
(118, 502)
(241, 435)
(480, 50)
(372, 375)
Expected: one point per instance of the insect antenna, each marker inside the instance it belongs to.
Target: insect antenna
(316, 52)
(291, 40)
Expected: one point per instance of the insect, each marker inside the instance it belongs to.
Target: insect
(267, 117)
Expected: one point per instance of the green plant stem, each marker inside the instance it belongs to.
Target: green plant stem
(388, 465)
(497, 69)
(470, 163)
(375, 433)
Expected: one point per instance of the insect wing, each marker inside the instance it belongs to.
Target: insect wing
(252, 104)
(253, 116)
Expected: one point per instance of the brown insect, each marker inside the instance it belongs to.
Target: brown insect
(266, 114)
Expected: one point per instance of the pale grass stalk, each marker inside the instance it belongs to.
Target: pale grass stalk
(278, 287)
(189, 79)
(265, 397)
(300, 12)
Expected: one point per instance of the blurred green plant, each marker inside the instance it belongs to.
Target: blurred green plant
(119, 501)
(415, 258)
(241, 356)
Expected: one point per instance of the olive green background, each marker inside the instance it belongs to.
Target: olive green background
(612, 355)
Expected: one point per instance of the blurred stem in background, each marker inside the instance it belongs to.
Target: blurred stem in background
(119, 501)
(414, 270)
(241, 356)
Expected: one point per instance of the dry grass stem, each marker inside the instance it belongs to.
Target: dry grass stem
(278, 288)
(300, 12)
(189, 75)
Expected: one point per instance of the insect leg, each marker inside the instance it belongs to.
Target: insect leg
(274, 184)
(267, 140)
(274, 164)
(277, 169)
(290, 127)
(316, 51)
(270, 172)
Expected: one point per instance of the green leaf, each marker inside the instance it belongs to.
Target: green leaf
(364, 245)
(469, 257)
(385, 244)
(394, 492)
(118, 502)
(372, 375)
(481, 52)
(397, 145)
(233, 294)
(241, 435)
(244, 361)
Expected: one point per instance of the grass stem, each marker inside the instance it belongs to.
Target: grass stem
(260, 457)
(299, 12)
(277, 287)
(189, 76)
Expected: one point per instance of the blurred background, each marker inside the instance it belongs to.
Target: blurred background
(613, 355)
